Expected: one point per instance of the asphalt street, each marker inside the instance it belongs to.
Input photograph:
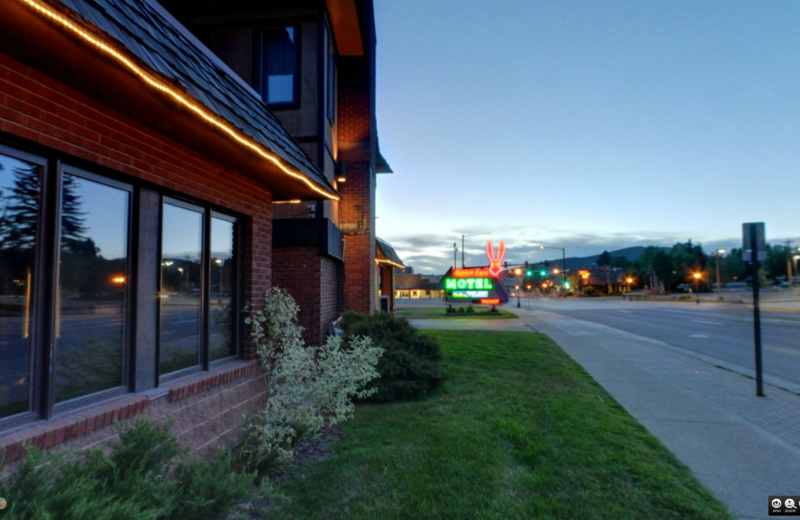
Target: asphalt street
(720, 333)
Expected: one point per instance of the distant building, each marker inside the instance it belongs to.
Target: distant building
(418, 286)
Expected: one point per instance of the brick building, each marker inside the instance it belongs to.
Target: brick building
(312, 62)
(140, 179)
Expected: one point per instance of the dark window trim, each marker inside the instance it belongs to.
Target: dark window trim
(71, 405)
(52, 163)
(236, 292)
(38, 359)
(209, 212)
(259, 63)
(202, 210)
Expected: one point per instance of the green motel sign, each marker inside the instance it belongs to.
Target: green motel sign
(468, 284)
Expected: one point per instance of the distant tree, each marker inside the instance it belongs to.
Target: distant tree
(775, 264)
(732, 267)
(621, 262)
(604, 259)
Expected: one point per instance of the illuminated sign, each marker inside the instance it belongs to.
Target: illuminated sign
(494, 262)
(490, 301)
(470, 273)
(470, 294)
(467, 283)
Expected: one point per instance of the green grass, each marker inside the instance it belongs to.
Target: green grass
(427, 313)
(519, 431)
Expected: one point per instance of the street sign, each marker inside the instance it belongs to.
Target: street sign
(753, 235)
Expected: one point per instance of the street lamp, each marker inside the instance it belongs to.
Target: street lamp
(518, 272)
(462, 243)
(563, 264)
(630, 281)
(697, 286)
(719, 286)
(219, 262)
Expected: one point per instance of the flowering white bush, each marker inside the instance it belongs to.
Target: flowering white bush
(309, 387)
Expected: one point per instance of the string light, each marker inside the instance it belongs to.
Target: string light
(186, 102)
(383, 261)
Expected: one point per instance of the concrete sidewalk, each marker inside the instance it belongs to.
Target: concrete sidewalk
(743, 448)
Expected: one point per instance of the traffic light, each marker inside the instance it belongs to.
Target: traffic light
(528, 273)
(566, 285)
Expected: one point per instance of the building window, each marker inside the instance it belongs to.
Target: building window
(20, 193)
(199, 302)
(181, 286)
(67, 282)
(279, 71)
(224, 289)
(92, 279)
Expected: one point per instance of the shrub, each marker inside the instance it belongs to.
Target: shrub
(147, 474)
(409, 366)
(309, 387)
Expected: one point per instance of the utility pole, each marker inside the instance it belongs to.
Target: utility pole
(789, 264)
(455, 252)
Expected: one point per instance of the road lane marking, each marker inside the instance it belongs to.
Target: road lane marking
(626, 312)
(708, 322)
(699, 336)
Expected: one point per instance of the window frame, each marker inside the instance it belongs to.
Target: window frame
(259, 75)
(127, 304)
(139, 360)
(209, 212)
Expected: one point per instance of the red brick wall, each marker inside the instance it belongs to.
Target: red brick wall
(35, 107)
(206, 412)
(358, 206)
(357, 148)
(43, 111)
(312, 280)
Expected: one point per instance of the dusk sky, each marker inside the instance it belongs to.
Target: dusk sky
(588, 125)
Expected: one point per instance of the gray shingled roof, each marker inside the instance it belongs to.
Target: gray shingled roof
(388, 251)
(149, 35)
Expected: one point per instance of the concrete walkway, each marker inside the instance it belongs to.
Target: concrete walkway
(743, 448)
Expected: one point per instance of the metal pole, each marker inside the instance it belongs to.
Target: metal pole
(462, 251)
(719, 285)
(756, 312)
(564, 271)
(455, 251)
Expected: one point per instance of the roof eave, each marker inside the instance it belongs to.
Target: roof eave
(35, 38)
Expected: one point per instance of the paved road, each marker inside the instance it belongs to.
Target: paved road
(718, 333)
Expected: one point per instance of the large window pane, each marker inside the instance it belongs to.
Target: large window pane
(279, 67)
(19, 208)
(222, 325)
(92, 282)
(181, 288)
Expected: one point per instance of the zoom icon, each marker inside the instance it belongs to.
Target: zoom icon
(784, 505)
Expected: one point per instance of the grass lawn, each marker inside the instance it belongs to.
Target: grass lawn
(519, 431)
(424, 313)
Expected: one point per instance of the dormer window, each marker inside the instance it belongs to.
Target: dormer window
(279, 65)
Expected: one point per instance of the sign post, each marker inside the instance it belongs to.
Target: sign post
(754, 250)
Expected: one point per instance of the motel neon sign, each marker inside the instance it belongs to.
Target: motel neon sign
(479, 284)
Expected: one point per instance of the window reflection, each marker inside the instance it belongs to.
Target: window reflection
(92, 283)
(279, 65)
(19, 208)
(181, 288)
(222, 340)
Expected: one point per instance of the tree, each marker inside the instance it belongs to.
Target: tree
(604, 259)
(775, 264)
